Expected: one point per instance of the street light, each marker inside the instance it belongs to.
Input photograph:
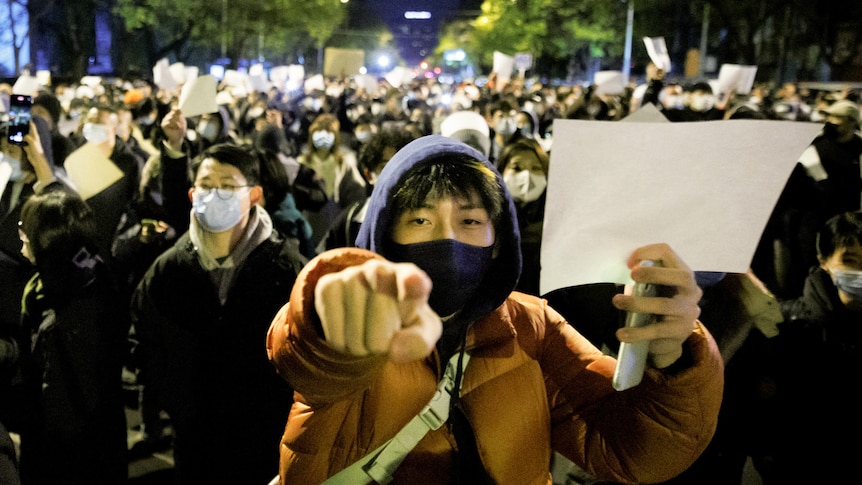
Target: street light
(383, 61)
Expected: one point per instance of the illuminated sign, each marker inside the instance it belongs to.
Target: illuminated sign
(417, 15)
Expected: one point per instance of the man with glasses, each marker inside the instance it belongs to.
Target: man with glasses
(201, 313)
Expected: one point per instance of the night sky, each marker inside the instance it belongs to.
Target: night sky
(416, 45)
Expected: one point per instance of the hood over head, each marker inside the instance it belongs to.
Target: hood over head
(375, 231)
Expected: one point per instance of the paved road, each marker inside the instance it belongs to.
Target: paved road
(157, 469)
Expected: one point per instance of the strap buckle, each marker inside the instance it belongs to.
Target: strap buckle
(435, 413)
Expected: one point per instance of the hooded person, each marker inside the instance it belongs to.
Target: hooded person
(368, 331)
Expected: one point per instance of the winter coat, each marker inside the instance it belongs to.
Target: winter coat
(208, 359)
(817, 358)
(73, 427)
(533, 384)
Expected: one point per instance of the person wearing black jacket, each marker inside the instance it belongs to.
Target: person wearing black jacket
(819, 352)
(200, 313)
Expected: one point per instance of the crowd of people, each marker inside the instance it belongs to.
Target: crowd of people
(246, 268)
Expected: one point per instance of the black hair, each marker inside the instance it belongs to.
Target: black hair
(370, 156)
(273, 179)
(56, 223)
(841, 231)
(51, 103)
(505, 105)
(230, 154)
(455, 175)
(746, 112)
(522, 144)
(144, 107)
(272, 138)
(698, 86)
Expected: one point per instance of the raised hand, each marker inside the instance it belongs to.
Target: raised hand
(378, 307)
(676, 309)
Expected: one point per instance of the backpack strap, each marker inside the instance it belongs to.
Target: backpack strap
(379, 465)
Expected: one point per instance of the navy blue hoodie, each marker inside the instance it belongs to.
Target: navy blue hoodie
(375, 231)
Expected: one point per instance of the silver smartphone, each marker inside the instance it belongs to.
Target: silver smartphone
(632, 357)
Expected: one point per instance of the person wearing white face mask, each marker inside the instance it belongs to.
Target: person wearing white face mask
(214, 128)
(505, 125)
(99, 128)
(199, 314)
(337, 166)
(698, 102)
(524, 166)
(819, 352)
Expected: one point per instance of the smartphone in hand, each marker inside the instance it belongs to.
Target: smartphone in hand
(20, 113)
(632, 357)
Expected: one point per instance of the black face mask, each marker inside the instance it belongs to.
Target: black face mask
(830, 130)
(456, 269)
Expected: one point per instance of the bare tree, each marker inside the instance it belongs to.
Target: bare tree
(17, 29)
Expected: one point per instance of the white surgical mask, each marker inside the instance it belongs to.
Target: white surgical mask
(702, 102)
(95, 133)
(255, 113)
(323, 139)
(506, 126)
(525, 186)
(672, 101)
(12, 166)
(312, 103)
(849, 281)
(215, 213)
(207, 130)
(363, 136)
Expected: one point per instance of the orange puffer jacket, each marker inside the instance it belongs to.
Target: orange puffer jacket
(533, 385)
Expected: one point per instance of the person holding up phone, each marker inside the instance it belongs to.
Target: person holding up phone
(31, 172)
(20, 113)
(368, 331)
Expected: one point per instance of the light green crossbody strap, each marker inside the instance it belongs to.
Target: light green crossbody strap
(379, 465)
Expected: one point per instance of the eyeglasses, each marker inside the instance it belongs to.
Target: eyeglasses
(224, 192)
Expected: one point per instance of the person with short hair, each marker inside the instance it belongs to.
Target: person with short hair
(200, 314)
(819, 351)
(423, 313)
(48, 107)
(99, 128)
